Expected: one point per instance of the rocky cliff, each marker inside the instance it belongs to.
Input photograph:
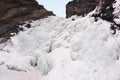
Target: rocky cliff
(14, 11)
(82, 7)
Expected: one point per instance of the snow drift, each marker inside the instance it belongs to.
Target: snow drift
(56, 48)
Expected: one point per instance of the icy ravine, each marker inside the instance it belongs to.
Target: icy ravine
(62, 49)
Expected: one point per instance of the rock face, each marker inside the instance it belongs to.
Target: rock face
(15, 11)
(82, 7)
(105, 10)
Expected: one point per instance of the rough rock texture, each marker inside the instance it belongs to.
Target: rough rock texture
(105, 10)
(80, 7)
(14, 11)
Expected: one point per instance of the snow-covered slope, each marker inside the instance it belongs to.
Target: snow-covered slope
(56, 48)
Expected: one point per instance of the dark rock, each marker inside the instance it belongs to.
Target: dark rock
(73, 19)
(13, 12)
(28, 26)
(105, 10)
(80, 7)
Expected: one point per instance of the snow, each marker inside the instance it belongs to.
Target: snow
(56, 48)
(117, 11)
